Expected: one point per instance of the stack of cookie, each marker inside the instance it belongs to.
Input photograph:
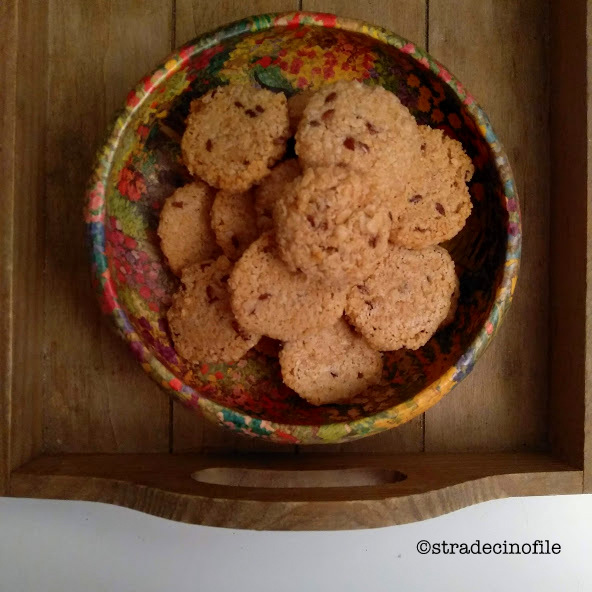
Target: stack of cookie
(334, 253)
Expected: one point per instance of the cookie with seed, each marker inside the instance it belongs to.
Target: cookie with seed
(406, 298)
(365, 128)
(268, 192)
(269, 299)
(184, 227)
(201, 321)
(296, 105)
(234, 135)
(435, 203)
(330, 365)
(332, 225)
(234, 222)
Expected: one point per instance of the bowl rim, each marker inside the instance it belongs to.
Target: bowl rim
(337, 432)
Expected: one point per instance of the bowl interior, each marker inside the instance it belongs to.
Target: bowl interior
(147, 167)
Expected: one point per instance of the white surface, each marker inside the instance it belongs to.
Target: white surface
(73, 546)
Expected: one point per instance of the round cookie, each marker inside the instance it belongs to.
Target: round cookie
(331, 225)
(436, 202)
(267, 298)
(271, 188)
(234, 222)
(365, 128)
(330, 365)
(201, 320)
(296, 105)
(184, 226)
(404, 301)
(234, 135)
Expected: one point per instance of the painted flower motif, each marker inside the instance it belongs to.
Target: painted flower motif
(437, 116)
(423, 104)
(306, 57)
(454, 120)
(445, 74)
(94, 210)
(203, 59)
(131, 184)
(132, 99)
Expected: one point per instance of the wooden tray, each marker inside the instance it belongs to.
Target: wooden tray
(79, 419)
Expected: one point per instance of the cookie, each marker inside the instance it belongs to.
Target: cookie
(330, 365)
(331, 225)
(201, 320)
(267, 298)
(365, 128)
(271, 188)
(184, 228)
(234, 222)
(234, 135)
(406, 298)
(436, 202)
(296, 105)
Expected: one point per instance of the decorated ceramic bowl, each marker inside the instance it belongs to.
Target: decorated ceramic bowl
(140, 165)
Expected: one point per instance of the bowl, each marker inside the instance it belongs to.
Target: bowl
(140, 165)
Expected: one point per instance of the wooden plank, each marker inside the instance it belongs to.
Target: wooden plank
(568, 229)
(498, 49)
(97, 398)
(194, 17)
(8, 47)
(404, 17)
(28, 240)
(163, 485)
(408, 19)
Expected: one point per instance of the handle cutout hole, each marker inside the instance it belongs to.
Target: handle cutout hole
(282, 479)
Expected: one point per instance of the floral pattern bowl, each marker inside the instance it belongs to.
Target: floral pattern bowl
(140, 165)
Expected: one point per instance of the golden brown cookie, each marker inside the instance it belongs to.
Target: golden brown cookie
(271, 188)
(365, 128)
(269, 299)
(406, 298)
(436, 202)
(184, 227)
(330, 365)
(234, 135)
(331, 225)
(202, 324)
(234, 222)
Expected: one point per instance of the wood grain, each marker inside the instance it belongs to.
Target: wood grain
(162, 485)
(194, 17)
(28, 232)
(501, 54)
(8, 47)
(568, 230)
(97, 398)
(404, 17)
